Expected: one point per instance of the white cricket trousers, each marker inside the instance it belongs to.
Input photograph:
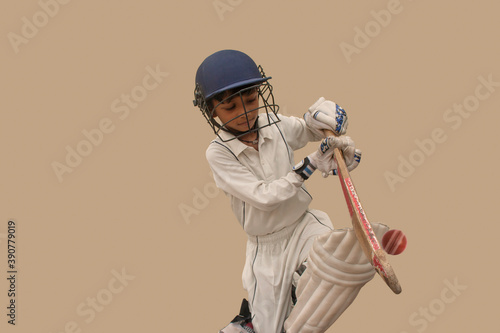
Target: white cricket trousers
(271, 261)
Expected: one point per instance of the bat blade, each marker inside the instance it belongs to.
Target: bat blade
(362, 227)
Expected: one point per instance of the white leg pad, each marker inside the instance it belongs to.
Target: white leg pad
(336, 270)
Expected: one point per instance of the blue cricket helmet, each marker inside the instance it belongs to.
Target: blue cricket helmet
(227, 69)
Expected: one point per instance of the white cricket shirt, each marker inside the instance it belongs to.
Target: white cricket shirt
(265, 194)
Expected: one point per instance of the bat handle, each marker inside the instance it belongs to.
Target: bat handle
(329, 133)
(339, 157)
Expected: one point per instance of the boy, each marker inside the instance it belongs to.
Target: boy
(252, 162)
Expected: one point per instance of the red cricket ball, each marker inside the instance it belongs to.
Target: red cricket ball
(394, 242)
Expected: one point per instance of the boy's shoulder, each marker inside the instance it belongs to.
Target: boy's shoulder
(218, 149)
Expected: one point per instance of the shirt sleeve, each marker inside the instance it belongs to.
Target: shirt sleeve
(236, 179)
(296, 132)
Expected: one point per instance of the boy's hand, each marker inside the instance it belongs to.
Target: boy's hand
(326, 114)
(323, 160)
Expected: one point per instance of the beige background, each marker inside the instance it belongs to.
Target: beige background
(120, 208)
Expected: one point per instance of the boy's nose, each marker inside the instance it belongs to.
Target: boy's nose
(242, 114)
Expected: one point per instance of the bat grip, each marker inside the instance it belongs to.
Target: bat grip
(339, 157)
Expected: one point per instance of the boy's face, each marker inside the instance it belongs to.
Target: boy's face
(239, 111)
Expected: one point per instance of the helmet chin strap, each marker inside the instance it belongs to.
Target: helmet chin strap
(238, 134)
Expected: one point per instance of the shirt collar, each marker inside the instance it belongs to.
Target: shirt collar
(265, 133)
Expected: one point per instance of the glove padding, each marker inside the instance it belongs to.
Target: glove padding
(326, 115)
(323, 160)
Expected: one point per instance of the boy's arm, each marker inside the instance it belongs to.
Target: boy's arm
(296, 132)
(236, 179)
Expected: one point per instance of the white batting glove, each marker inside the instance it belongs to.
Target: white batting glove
(352, 156)
(322, 159)
(326, 115)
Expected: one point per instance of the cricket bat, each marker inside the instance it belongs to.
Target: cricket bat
(362, 227)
